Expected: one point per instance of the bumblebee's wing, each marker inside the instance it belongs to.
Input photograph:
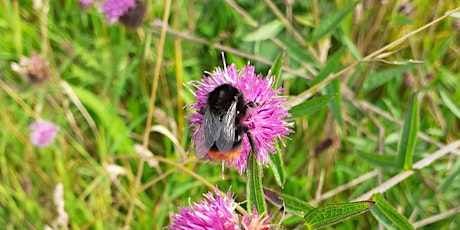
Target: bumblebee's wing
(212, 128)
(200, 146)
(227, 137)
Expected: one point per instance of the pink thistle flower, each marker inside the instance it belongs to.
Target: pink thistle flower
(265, 122)
(114, 9)
(216, 213)
(43, 133)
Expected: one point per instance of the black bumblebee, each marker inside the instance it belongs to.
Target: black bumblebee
(221, 133)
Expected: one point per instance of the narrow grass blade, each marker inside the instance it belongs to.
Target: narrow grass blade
(384, 161)
(335, 213)
(310, 106)
(332, 66)
(254, 190)
(449, 180)
(450, 104)
(276, 69)
(291, 204)
(377, 79)
(265, 32)
(408, 135)
(297, 52)
(277, 167)
(388, 216)
(112, 123)
(334, 105)
(330, 22)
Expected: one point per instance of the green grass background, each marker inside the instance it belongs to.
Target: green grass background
(107, 72)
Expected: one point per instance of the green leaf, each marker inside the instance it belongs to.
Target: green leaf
(388, 216)
(332, 65)
(292, 204)
(408, 134)
(379, 160)
(310, 106)
(254, 190)
(264, 32)
(450, 178)
(277, 166)
(450, 104)
(276, 69)
(403, 19)
(334, 105)
(330, 22)
(377, 79)
(352, 47)
(114, 124)
(297, 52)
(335, 213)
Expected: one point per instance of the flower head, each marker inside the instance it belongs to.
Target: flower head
(265, 122)
(215, 213)
(114, 9)
(33, 68)
(43, 133)
(134, 16)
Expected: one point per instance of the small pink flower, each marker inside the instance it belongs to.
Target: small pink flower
(43, 133)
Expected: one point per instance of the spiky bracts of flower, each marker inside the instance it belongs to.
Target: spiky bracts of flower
(265, 122)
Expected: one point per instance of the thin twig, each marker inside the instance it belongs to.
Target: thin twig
(405, 174)
(344, 187)
(242, 12)
(436, 218)
(156, 76)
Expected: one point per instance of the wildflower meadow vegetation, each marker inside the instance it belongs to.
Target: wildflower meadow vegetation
(232, 114)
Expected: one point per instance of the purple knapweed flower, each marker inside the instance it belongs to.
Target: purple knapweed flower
(43, 133)
(215, 213)
(265, 122)
(114, 9)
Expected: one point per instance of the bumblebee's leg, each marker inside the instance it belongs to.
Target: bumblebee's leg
(251, 140)
(202, 110)
(252, 104)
